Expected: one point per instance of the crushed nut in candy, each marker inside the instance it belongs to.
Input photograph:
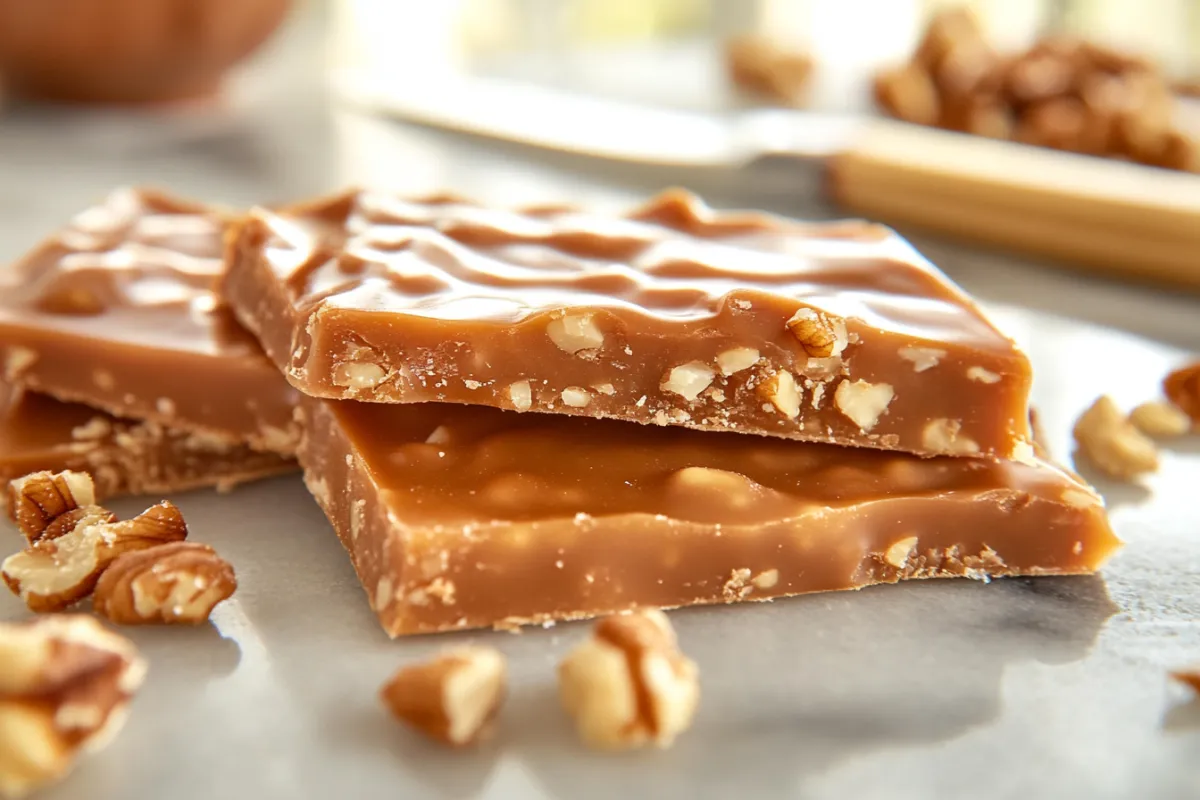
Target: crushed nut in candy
(688, 380)
(575, 332)
(782, 391)
(821, 335)
(863, 402)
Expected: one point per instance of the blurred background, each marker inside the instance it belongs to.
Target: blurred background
(667, 50)
(605, 101)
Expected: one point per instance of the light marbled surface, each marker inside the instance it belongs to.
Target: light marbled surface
(1046, 688)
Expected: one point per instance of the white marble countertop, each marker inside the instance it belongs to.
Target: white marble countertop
(1042, 688)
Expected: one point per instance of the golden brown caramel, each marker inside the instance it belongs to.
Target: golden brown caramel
(38, 432)
(672, 314)
(117, 310)
(462, 516)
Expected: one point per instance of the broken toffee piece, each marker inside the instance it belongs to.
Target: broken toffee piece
(117, 310)
(673, 314)
(38, 432)
(461, 516)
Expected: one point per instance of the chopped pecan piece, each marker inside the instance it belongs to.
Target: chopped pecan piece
(629, 685)
(64, 684)
(453, 698)
(37, 499)
(54, 574)
(180, 582)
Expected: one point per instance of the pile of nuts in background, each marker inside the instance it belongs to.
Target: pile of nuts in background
(1062, 93)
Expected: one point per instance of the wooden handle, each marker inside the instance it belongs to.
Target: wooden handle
(1095, 214)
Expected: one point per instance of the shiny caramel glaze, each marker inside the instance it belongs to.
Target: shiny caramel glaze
(117, 310)
(368, 296)
(464, 516)
(38, 432)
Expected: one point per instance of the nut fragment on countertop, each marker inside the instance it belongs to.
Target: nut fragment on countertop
(1160, 419)
(1182, 388)
(821, 335)
(862, 402)
(36, 499)
(575, 332)
(453, 698)
(1109, 440)
(84, 515)
(54, 574)
(65, 682)
(629, 685)
(174, 583)
(1189, 676)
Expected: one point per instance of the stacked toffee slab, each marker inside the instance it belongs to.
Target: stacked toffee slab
(522, 416)
(120, 360)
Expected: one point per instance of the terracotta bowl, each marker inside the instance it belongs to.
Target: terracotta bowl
(128, 51)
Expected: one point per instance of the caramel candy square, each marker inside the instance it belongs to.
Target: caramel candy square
(673, 315)
(117, 311)
(461, 516)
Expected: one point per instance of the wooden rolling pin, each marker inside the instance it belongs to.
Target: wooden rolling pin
(1095, 214)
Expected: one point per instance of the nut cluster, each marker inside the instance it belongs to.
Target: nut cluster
(1061, 93)
(626, 686)
(1110, 441)
(1123, 446)
(140, 569)
(64, 684)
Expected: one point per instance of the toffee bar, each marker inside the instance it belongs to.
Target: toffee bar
(673, 314)
(38, 432)
(462, 516)
(117, 311)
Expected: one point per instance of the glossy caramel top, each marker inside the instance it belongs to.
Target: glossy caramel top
(672, 260)
(139, 269)
(447, 464)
